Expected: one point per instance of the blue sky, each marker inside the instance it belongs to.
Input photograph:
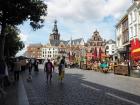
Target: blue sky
(77, 18)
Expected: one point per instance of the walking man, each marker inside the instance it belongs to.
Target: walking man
(17, 68)
(48, 69)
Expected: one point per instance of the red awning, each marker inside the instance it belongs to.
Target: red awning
(135, 49)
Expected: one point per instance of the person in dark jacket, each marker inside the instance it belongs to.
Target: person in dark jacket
(48, 69)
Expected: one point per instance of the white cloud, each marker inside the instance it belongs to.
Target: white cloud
(20, 53)
(82, 17)
(23, 37)
(79, 18)
(83, 10)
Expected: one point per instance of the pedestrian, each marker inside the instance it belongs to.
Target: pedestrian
(30, 66)
(36, 65)
(17, 69)
(6, 78)
(29, 78)
(2, 75)
(61, 68)
(48, 69)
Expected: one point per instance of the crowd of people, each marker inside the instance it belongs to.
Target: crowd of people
(11, 68)
(10, 71)
(15, 66)
(103, 66)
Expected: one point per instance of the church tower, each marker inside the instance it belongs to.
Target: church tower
(55, 35)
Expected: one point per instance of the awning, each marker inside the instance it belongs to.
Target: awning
(136, 50)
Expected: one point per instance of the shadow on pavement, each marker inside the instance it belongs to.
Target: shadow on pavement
(74, 90)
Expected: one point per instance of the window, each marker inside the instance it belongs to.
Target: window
(107, 52)
(131, 17)
(139, 29)
(135, 14)
(107, 47)
(135, 33)
(131, 31)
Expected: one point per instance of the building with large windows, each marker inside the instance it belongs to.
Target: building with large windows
(55, 47)
(128, 31)
(49, 52)
(34, 51)
(122, 38)
(96, 44)
(64, 46)
(110, 49)
(134, 20)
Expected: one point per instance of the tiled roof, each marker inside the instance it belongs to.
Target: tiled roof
(73, 42)
(35, 45)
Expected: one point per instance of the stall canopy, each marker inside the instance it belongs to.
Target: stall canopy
(95, 53)
(135, 49)
(100, 53)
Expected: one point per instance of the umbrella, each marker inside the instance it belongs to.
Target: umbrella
(135, 43)
(100, 52)
(95, 53)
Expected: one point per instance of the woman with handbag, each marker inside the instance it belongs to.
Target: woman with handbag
(61, 68)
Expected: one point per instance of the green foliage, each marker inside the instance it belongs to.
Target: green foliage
(15, 12)
(13, 43)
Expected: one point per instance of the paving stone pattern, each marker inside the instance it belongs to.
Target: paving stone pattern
(74, 90)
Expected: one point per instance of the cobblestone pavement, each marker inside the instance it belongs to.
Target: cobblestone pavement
(82, 87)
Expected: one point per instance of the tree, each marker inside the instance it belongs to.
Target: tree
(15, 12)
(13, 43)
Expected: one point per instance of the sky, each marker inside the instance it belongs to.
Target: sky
(77, 18)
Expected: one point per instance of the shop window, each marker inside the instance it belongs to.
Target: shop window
(107, 47)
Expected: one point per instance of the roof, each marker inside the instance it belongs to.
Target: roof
(35, 45)
(75, 41)
(110, 41)
(135, 4)
(57, 42)
(125, 16)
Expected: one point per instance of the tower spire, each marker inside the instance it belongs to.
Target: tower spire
(55, 30)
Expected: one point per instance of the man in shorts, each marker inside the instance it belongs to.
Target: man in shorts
(48, 69)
